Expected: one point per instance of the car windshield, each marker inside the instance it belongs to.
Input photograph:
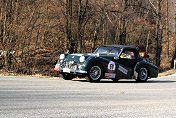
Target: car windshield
(107, 50)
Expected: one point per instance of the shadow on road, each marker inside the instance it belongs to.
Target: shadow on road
(164, 81)
(127, 81)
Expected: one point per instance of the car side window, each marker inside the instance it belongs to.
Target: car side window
(127, 55)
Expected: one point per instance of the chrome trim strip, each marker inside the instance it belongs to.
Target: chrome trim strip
(81, 71)
(77, 71)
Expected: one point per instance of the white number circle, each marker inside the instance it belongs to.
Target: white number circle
(111, 67)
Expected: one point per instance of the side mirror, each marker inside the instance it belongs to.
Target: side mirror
(116, 58)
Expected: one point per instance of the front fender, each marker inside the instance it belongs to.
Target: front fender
(93, 59)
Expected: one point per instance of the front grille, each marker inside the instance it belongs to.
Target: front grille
(71, 65)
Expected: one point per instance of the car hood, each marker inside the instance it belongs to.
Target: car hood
(75, 57)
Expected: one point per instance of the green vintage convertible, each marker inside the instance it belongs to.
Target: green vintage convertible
(110, 61)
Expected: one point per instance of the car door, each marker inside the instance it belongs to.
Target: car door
(127, 62)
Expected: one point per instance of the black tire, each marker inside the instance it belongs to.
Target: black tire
(66, 76)
(142, 75)
(115, 80)
(95, 73)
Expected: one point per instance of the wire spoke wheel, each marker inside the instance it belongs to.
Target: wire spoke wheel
(95, 73)
(143, 74)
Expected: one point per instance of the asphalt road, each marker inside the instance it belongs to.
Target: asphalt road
(32, 97)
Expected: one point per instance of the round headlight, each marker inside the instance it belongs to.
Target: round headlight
(62, 56)
(82, 59)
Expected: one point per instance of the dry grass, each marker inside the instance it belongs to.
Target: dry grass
(166, 73)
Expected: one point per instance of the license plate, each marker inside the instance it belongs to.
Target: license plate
(66, 70)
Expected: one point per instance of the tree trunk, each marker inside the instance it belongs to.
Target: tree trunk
(94, 40)
(79, 37)
(1, 30)
(148, 36)
(158, 36)
(123, 33)
(70, 42)
(167, 28)
(174, 44)
(103, 22)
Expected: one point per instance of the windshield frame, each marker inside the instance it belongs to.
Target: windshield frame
(109, 49)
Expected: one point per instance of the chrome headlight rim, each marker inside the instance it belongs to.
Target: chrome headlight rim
(82, 59)
(62, 56)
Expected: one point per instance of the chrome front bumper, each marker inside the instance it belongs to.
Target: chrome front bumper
(66, 70)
